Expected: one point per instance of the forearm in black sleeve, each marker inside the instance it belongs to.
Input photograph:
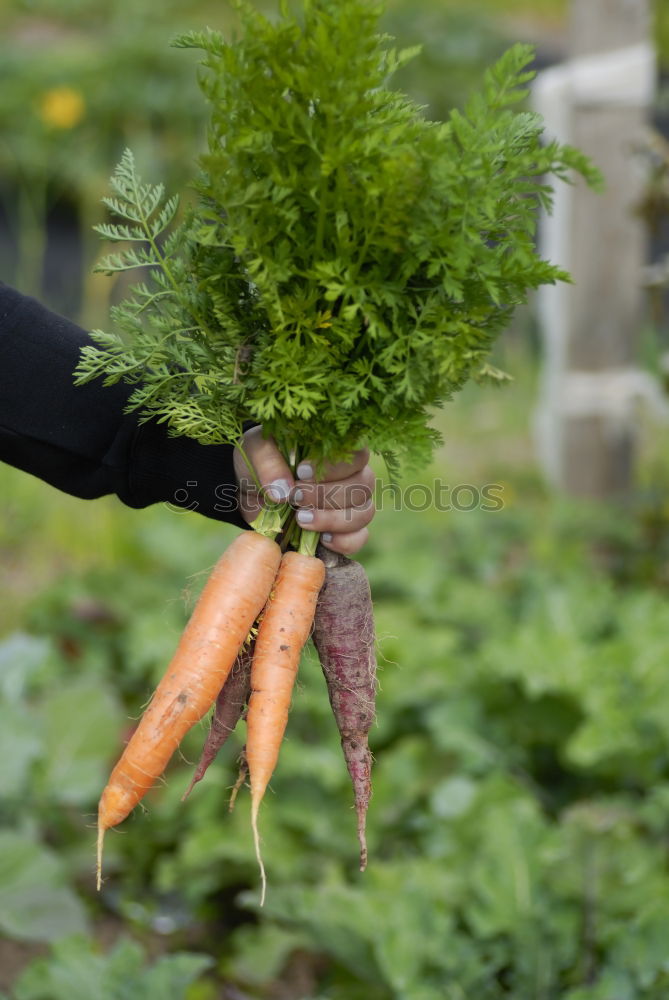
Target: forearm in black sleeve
(79, 439)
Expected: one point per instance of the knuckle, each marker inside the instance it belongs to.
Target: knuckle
(268, 461)
(368, 478)
(342, 543)
(262, 451)
(351, 542)
(357, 496)
(305, 495)
(253, 439)
(368, 514)
(363, 538)
(325, 496)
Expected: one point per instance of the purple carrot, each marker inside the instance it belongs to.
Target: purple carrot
(344, 637)
(230, 706)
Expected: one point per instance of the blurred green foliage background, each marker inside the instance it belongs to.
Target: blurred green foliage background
(519, 829)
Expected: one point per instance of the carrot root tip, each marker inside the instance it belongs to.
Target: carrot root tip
(98, 867)
(241, 778)
(193, 782)
(363, 852)
(256, 842)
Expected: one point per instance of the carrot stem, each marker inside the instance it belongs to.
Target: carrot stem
(288, 532)
(249, 466)
(269, 521)
(308, 542)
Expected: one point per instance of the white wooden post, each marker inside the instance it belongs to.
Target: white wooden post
(598, 100)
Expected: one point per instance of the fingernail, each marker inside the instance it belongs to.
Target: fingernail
(298, 496)
(326, 536)
(305, 470)
(278, 490)
(305, 516)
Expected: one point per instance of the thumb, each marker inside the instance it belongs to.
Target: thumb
(271, 470)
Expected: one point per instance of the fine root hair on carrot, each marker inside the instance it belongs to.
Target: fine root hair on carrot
(188, 596)
(284, 629)
(232, 599)
(183, 758)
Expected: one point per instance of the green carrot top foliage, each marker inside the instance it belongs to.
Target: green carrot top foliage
(348, 263)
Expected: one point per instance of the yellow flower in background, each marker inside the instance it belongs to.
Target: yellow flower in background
(62, 107)
(505, 492)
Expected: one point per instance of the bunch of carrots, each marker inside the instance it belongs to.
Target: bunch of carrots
(344, 270)
(255, 587)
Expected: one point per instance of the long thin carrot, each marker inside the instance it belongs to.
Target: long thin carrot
(284, 629)
(232, 598)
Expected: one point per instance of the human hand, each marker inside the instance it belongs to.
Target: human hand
(340, 505)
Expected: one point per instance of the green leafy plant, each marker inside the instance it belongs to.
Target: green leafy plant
(348, 264)
(521, 801)
(76, 971)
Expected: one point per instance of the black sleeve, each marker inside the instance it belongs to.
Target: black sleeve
(78, 439)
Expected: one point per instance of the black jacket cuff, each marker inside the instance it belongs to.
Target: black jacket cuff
(182, 473)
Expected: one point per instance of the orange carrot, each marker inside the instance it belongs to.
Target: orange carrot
(232, 598)
(284, 629)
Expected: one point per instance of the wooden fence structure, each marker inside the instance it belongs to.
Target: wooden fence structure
(599, 99)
